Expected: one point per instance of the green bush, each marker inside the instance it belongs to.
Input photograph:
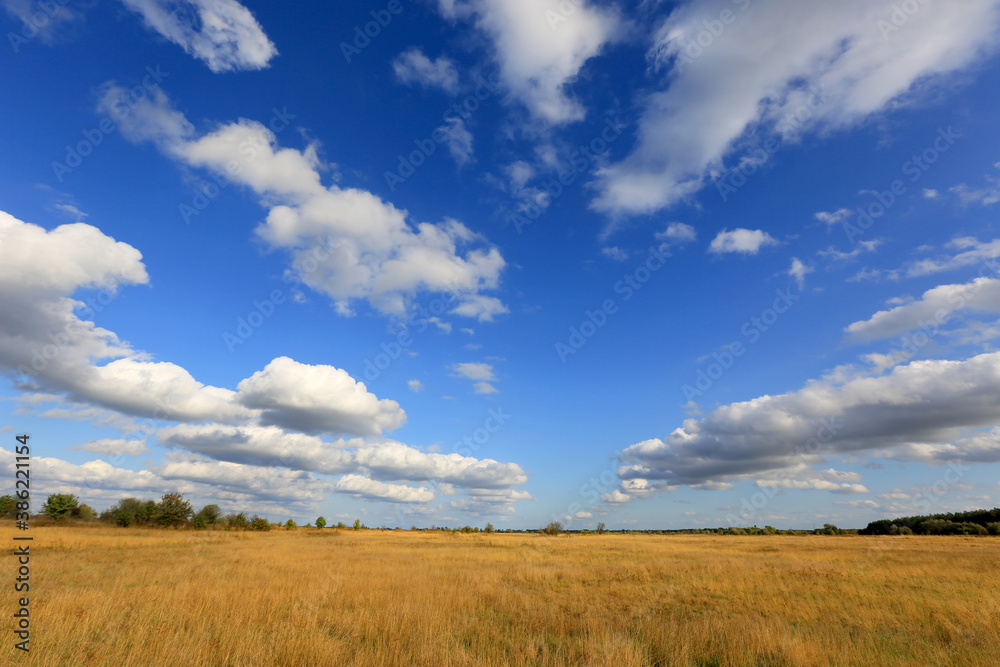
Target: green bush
(993, 528)
(173, 510)
(60, 505)
(321, 522)
(289, 525)
(260, 523)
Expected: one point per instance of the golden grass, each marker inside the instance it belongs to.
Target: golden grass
(109, 596)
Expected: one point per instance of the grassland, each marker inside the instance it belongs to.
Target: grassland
(162, 598)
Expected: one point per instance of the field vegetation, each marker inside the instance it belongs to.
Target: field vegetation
(128, 597)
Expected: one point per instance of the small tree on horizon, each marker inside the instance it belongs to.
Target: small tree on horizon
(601, 528)
(357, 524)
(321, 522)
(60, 505)
(173, 510)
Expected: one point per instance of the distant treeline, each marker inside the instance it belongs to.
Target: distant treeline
(976, 522)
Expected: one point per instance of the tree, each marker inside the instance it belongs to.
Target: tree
(84, 512)
(489, 528)
(8, 506)
(60, 505)
(173, 510)
(289, 525)
(321, 522)
(553, 528)
(340, 525)
(209, 514)
(357, 524)
(260, 523)
(601, 528)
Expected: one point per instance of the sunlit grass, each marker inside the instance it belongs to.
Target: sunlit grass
(124, 597)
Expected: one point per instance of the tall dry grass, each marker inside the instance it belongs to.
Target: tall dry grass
(110, 596)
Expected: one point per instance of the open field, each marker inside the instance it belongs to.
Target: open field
(131, 597)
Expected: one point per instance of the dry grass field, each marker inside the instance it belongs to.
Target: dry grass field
(161, 598)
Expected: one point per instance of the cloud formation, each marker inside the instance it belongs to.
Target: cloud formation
(222, 33)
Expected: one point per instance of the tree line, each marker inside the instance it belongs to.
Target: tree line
(975, 522)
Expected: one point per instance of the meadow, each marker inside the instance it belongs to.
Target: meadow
(162, 598)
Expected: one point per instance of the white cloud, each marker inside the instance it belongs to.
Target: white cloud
(222, 33)
(971, 252)
(344, 242)
(741, 87)
(114, 447)
(458, 139)
(798, 270)
(474, 371)
(811, 485)
(746, 241)
(984, 196)
(363, 487)
(317, 399)
(677, 232)
(615, 253)
(540, 47)
(385, 460)
(840, 256)
(931, 193)
(47, 25)
(413, 67)
(924, 403)
(416, 386)
(832, 218)
(616, 497)
(932, 309)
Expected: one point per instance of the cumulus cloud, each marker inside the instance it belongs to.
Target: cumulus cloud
(540, 47)
(384, 460)
(831, 60)
(746, 241)
(222, 33)
(416, 386)
(413, 67)
(363, 487)
(922, 404)
(317, 399)
(344, 242)
(481, 373)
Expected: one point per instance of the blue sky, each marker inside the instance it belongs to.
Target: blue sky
(654, 264)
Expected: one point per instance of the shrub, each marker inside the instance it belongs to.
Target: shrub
(238, 521)
(488, 528)
(904, 530)
(357, 524)
(553, 528)
(260, 523)
(321, 522)
(209, 514)
(8, 506)
(289, 525)
(173, 510)
(60, 505)
(84, 512)
(993, 528)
